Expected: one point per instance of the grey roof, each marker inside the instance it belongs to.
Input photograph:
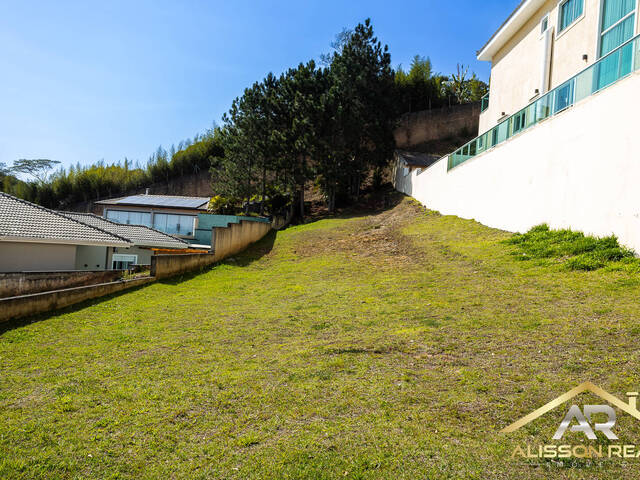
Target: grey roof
(24, 221)
(166, 201)
(415, 159)
(139, 235)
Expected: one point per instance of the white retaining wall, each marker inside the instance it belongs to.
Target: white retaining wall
(578, 170)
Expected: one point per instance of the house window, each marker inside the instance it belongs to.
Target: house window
(544, 24)
(570, 11)
(129, 218)
(174, 224)
(123, 262)
(618, 24)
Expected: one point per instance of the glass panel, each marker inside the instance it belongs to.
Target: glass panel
(586, 83)
(172, 223)
(129, 218)
(614, 10)
(160, 221)
(185, 226)
(617, 35)
(502, 132)
(564, 97)
(569, 12)
(485, 103)
(626, 60)
(606, 71)
(530, 115)
(543, 106)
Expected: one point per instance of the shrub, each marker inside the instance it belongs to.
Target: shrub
(575, 250)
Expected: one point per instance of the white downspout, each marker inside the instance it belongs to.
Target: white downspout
(547, 52)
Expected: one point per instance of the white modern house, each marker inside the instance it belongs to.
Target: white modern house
(557, 140)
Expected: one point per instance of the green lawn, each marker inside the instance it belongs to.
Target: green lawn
(393, 345)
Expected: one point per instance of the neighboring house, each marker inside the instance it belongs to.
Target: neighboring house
(145, 243)
(544, 43)
(170, 214)
(34, 238)
(410, 161)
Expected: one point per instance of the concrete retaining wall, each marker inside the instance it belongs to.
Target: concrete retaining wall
(226, 241)
(576, 170)
(419, 128)
(165, 266)
(237, 237)
(22, 306)
(15, 284)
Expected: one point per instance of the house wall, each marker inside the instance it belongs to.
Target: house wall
(578, 170)
(91, 258)
(516, 70)
(144, 254)
(26, 256)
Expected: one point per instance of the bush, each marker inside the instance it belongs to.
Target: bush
(574, 250)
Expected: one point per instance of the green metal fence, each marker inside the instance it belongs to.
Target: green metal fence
(606, 71)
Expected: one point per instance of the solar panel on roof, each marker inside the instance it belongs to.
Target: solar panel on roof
(163, 201)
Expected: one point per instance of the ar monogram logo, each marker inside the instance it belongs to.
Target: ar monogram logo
(584, 422)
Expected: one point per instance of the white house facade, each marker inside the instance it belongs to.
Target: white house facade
(557, 139)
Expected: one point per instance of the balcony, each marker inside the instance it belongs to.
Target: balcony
(484, 103)
(605, 72)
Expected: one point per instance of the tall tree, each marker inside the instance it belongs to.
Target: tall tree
(38, 168)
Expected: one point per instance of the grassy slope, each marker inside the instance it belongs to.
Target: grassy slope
(389, 346)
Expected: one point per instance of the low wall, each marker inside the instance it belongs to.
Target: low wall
(415, 129)
(577, 170)
(165, 266)
(22, 306)
(226, 241)
(237, 237)
(14, 284)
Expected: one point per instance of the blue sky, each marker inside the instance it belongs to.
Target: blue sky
(89, 80)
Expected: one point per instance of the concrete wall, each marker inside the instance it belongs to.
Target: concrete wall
(14, 284)
(17, 307)
(36, 257)
(516, 70)
(576, 170)
(237, 236)
(226, 241)
(416, 129)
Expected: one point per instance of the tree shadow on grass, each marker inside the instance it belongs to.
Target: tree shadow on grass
(245, 258)
(379, 202)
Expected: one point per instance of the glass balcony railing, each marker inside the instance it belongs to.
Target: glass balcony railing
(484, 103)
(606, 71)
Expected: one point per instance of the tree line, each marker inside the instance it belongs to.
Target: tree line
(63, 188)
(327, 123)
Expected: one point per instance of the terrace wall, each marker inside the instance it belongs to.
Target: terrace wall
(24, 283)
(24, 305)
(578, 170)
(417, 129)
(226, 241)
